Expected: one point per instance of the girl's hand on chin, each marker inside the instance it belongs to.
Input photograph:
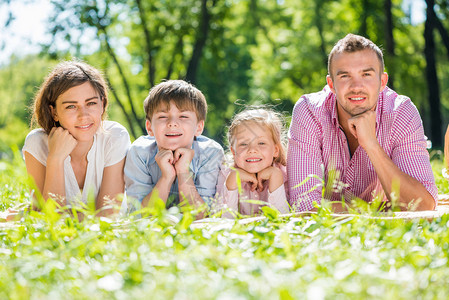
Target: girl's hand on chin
(273, 175)
(248, 177)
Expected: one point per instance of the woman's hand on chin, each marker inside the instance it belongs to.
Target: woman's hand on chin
(60, 143)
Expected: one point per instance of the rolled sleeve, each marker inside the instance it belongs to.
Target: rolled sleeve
(304, 158)
(36, 144)
(278, 199)
(207, 171)
(409, 152)
(138, 179)
(228, 201)
(117, 144)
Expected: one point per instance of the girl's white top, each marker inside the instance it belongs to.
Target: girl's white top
(111, 142)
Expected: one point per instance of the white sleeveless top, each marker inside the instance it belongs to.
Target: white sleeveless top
(111, 143)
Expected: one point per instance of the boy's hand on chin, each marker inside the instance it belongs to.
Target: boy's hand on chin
(182, 158)
(165, 160)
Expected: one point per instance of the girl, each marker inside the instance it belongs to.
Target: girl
(255, 140)
(75, 152)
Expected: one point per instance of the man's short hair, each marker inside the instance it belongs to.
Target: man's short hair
(183, 94)
(353, 43)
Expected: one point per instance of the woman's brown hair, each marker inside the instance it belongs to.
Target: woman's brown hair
(64, 76)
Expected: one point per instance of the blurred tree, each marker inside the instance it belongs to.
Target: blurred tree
(433, 23)
(258, 51)
(158, 40)
(19, 81)
(389, 41)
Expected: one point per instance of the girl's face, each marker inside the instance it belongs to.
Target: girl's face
(253, 148)
(79, 110)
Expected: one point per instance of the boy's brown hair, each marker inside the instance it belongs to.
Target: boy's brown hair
(183, 94)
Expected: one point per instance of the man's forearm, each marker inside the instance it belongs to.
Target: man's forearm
(410, 189)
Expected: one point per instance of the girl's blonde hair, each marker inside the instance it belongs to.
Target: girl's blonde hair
(270, 119)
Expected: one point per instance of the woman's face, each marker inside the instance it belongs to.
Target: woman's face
(253, 148)
(79, 110)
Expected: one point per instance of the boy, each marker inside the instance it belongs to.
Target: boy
(174, 160)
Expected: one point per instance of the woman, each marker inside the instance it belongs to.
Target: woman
(75, 153)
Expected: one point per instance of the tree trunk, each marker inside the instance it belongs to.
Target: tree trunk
(123, 109)
(363, 30)
(177, 51)
(431, 76)
(148, 45)
(200, 42)
(443, 32)
(320, 27)
(389, 42)
(140, 121)
(255, 17)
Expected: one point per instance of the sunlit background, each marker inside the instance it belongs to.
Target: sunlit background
(252, 51)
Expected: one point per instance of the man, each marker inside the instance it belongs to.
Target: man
(359, 136)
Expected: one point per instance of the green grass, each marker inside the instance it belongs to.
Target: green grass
(50, 256)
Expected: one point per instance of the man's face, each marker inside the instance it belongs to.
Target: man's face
(356, 80)
(174, 128)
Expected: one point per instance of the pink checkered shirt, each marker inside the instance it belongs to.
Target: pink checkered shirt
(318, 147)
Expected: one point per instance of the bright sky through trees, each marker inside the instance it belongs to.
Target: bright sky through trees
(27, 29)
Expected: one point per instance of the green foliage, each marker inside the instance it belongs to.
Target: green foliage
(255, 51)
(14, 183)
(12, 135)
(167, 255)
(437, 167)
(19, 81)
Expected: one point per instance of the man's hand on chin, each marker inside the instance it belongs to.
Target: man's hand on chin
(363, 127)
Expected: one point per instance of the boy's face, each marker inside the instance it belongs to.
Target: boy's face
(173, 128)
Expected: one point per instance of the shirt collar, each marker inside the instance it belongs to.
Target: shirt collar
(380, 106)
(152, 153)
(91, 153)
(196, 156)
(332, 100)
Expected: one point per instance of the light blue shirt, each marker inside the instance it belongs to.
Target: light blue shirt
(142, 171)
